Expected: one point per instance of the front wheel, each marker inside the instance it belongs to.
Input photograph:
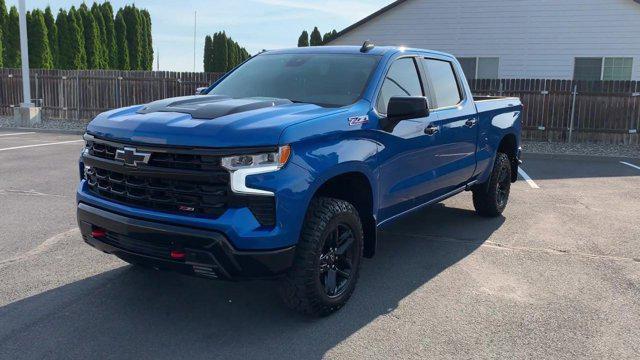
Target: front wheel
(490, 199)
(327, 262)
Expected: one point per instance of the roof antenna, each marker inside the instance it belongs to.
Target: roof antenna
(366, 46)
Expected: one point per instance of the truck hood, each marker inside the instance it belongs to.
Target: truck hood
(205, 121)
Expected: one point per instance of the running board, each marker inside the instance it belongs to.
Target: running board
(430, 202)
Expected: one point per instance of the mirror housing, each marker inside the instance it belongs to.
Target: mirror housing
(200, 90)
(404, 108)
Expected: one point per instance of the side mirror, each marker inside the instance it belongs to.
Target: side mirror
(404, 108)
(200, 90)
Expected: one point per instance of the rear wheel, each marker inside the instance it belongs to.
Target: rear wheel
(327, 262)
(490, 199)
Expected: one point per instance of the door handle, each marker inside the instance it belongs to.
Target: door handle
(431, 130)
(471, 122)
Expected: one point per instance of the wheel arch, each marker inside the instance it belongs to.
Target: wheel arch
(356, 188)
(509, 145)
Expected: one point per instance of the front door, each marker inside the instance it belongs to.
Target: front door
(406, 151)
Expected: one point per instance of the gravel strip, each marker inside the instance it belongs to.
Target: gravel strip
(51, 124)
(539, 147)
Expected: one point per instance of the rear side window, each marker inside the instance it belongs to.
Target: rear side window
(443, 81)
(402, 80)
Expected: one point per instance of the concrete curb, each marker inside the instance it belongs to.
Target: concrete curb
(40, 130)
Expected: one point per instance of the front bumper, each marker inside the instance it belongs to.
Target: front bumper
(208, 253)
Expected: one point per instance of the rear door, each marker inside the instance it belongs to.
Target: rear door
(455, 159)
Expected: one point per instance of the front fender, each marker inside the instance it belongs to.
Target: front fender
(312, 164)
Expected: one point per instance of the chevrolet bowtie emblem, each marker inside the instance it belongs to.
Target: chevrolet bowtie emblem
(131, 157)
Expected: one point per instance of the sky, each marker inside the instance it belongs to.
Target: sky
(254, 24)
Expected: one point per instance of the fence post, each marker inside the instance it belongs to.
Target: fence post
(573, 111)
(78, 93)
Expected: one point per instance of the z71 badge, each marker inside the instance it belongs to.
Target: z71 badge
(358, 120)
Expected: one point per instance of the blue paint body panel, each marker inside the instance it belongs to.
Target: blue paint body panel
(405, 167)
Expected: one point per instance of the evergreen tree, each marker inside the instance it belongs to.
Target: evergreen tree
(102, 39)
(12, 48)
(303, 40)
(220, 52)
(329, 36)
(110, 42)
(1, 49)
(91, 38)
(316, 38)
(3, 29)
(52, 35)
(232, 54)
(208, 54)
(147, 39)
(134, 36)
(122, 48)
(77, 57)
(63, 40)
(38, 41)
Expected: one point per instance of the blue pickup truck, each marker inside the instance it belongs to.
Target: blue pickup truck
(289, 166)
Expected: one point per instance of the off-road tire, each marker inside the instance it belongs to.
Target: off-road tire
(301, 289)
(486, 197)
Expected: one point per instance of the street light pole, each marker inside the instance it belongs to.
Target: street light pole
(24, 51)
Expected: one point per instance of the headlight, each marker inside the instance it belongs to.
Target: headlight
(241, 166)
(277, 159)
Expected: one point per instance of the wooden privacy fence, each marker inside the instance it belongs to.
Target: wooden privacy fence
(561, 110)
(602, 111)
(83, 94)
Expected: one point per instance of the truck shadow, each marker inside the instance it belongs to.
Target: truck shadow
(137, 313)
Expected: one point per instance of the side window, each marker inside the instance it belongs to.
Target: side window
(443, 82)
(402, 80)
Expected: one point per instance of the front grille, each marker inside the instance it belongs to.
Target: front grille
(174, 181)
(167, 160)
(202, 198)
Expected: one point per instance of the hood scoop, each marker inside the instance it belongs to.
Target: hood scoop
(210, 106)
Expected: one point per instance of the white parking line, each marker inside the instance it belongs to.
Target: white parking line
(633, 166)
(38, 145)
(526, 177)
(13, 134)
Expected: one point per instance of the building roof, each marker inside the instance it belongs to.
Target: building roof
(378, 13)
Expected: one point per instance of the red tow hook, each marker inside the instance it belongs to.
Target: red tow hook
(98, 233)
(178, 255)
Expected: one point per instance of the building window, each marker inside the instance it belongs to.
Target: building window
(480, 67)
(608, 68)
(617, 68)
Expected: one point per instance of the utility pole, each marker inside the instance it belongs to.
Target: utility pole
(24, 51)
(26, 114)
(195, 25)
(158, 60)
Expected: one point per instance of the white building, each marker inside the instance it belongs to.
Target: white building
(551, 39)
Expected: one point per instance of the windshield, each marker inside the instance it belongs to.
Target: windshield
(322, 79)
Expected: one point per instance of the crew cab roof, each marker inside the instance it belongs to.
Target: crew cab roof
(377, 50)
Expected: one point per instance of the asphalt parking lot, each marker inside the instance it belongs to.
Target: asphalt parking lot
(557, 277)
